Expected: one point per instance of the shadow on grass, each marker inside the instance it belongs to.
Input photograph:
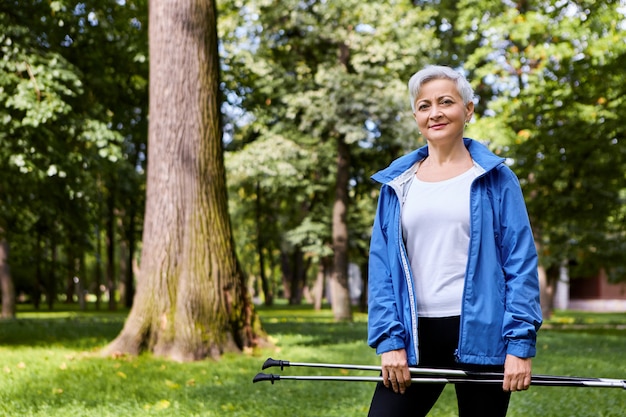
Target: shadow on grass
(80, 331)
(143, 386)
(320, 334)
(318, 325)
(69, 327)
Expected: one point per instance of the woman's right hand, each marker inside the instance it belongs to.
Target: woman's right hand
(395, 370)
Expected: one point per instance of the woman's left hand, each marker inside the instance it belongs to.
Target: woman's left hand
(517, 373)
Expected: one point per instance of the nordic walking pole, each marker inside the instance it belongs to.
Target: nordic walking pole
(273, 377)
(457, 373)
(414, 371)
(422, 371)
(562, 382)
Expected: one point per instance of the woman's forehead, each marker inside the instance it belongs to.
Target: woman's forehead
(437, 88)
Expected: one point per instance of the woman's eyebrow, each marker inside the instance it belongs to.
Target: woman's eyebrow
(438, 98)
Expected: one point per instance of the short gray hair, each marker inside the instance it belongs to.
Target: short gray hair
(438, 72)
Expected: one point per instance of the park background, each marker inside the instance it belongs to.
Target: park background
(223, 228)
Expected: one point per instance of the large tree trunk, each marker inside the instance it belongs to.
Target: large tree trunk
(191, 300)
(339, 290)
(7, 289)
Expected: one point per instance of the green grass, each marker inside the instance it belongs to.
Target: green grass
(49, 366)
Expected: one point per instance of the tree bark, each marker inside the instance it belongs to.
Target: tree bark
(363, 299)
(129, 277)
(7, 289)
(38, 271)
(547, 286)
(298, 279)
(110, 245)
(265, 284)
(191, 300)
(70, 273)
(51, 282)
(98, 271)
(339, 290)
(320, 283)
(287, 272)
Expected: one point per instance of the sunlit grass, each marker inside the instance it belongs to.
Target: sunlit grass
(50, 366)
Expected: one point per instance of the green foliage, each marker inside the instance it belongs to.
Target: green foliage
(50, 367)
(297, 76)
(548, 74)
(72, 84)
(303, 76)
(550, 99)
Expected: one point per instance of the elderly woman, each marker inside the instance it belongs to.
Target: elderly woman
(453, 266)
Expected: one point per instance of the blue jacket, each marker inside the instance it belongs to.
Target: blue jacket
(501, 312)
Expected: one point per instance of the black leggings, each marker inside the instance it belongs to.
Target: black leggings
(438, 338)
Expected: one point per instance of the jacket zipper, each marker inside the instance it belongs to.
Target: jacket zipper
(409, 282)
(401, 194)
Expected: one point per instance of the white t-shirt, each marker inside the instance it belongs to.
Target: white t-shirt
(435, 225)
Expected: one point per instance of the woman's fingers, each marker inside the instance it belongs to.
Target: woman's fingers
(395, 370)
(517, 373)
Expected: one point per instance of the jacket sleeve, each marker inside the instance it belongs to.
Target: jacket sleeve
(385, 329)
(518, 256)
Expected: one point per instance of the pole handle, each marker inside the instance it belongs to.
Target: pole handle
(275, 362)
(265, 377)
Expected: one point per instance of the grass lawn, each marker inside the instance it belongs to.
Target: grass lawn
(49, 366)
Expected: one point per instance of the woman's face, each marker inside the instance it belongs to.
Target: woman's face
(440, 112)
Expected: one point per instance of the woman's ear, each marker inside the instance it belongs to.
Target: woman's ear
(469, 107)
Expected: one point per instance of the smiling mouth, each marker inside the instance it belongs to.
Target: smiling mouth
(437, 126)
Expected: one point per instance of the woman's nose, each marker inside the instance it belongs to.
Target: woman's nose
(435, 112)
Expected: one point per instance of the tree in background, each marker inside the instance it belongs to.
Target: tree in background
(544, 71)
(556, 105)
(191, 299)
(326, 81)
(72, 84)
(7, 288)
(301, 80)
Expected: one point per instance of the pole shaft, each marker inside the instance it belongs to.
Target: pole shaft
(435, 372)
(443, 380)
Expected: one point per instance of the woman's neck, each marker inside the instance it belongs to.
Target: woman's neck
(443, 163)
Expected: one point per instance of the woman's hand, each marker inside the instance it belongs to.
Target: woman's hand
(517, 373)
(396, 370)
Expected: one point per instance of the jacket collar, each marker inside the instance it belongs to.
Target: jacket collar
(481, 155)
